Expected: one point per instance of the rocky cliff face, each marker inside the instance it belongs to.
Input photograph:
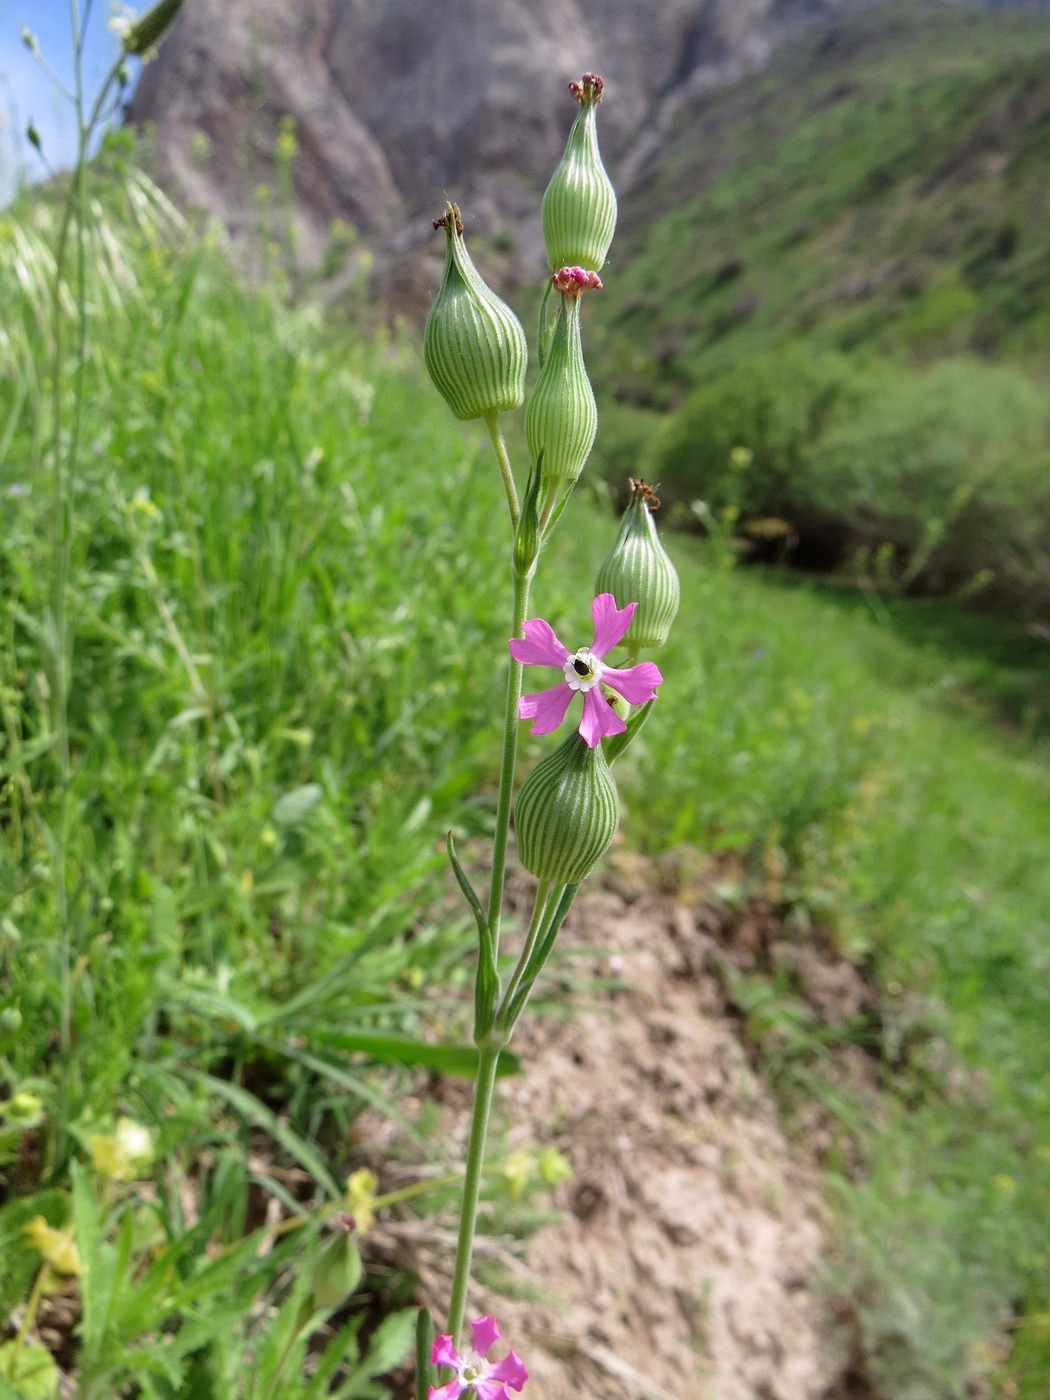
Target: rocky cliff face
(399, 104)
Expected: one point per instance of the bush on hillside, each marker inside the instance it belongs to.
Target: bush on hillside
(777, 404)
(948, 468)
(957, 455)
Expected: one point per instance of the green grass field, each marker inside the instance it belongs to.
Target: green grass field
(225, 905)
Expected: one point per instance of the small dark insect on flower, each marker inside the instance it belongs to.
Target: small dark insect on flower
(580, 667)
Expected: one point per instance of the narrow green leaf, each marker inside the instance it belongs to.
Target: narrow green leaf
(426, 1375)
(615, 746)
(252, 1108)
(486, 984)
(400, 1050)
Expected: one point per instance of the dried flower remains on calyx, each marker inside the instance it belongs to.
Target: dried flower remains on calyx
(561, 420)
(579, 205)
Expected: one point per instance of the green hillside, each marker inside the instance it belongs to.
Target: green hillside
(874, 204)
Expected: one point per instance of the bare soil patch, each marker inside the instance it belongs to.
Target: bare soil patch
(688, 1257)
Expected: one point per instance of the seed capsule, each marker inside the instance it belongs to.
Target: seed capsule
(473, 344)
(579, 206)
(562, 417)
(567, 813)
(638, 570)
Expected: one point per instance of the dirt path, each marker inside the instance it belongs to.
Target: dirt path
(691, 1237)
(686, 1260)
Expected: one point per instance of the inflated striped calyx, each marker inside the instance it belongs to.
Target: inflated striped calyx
(567, 813)
(561, 420)
(473, 345)
(579, 205)
(637, 569)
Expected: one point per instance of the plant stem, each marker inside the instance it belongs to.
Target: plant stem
(65, 462)
(540, 909)
(35, 1294)
(507, 764)
(479, 1126)
(500, 449)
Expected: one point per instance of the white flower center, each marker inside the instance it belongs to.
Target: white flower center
(583, 671)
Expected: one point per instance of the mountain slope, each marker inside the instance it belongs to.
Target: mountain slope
(883, 183)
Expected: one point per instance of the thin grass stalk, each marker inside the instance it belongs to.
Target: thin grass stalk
(65, 462)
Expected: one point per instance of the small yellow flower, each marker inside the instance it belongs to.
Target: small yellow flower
(122, 1155)
(518, 1170)
(361, 1189)
(22, 1110)
(58, 1247)
(554, 1166)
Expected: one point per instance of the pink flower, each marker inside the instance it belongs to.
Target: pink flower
(585, 671)
(574, 281)
(475, 1377)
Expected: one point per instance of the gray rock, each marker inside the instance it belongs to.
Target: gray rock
(400, 104)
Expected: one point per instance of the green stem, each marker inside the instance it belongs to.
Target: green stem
(35, 1294)
(500, 449)
(418, 1188)
(507, 765)
(513, 1004)
(479, 1126)
(540, 910)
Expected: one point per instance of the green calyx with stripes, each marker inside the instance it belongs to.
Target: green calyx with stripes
(567, 813)
(638, 570)
(473, 345)
(579, 206)
(562, 417)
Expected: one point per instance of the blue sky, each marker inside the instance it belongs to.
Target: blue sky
(27, 94)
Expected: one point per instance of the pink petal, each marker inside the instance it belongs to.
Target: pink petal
(599, 718)
(539, 646)
(486, 1331)
(511, 1371)
(443, 1352)
(547, 708)
(452, 1391)
(610, 623)
(636, 684)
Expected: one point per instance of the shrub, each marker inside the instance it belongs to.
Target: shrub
(946, 469)
(777, 404)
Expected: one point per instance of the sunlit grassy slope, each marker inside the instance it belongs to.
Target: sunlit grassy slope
(288, 619)
(883, 185)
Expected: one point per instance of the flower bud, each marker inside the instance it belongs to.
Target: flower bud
(337, 1268)
(562, 417)
(637, 570)
(143, 35)
(473, 344)
(579, 206)
(567, 813)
